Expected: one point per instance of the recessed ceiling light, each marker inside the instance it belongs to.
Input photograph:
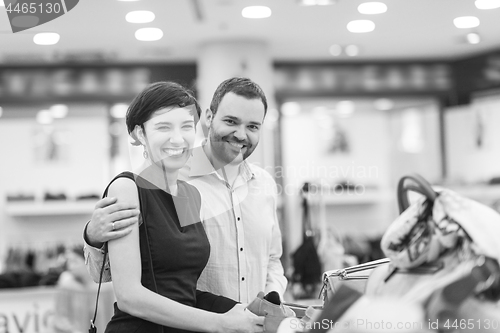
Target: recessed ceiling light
(335, 50)
(352, 50)
(148, 34)
(383, 104)
(46, 38)
(256, 12)
(119, 110)
(44, 117)
(140, 16)
(487, 4)
(59, 111)
(360, 26)
(473, 38)
(465, 22)
(372, 8)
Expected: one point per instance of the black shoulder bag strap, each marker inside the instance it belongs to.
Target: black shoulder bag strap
(93, 328)
(160, 327)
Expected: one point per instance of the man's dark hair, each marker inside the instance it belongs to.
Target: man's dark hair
(240, 86)
(157, 96)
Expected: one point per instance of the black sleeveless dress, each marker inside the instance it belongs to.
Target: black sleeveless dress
(174, 251)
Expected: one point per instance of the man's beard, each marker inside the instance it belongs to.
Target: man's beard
(224, 153)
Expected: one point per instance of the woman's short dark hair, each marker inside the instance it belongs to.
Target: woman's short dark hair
(157, 96)
(240, 86)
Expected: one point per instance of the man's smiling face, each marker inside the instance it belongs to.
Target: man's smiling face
(234, 130)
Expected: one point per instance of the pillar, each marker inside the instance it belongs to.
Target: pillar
(220, 60)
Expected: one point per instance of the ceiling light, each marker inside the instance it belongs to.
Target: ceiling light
(140, 16)
(465, 22)
(371, 8)
(352, 50)
(383, 104)
(487, 4)
(119, 110)
(59, 111)
(46, 38)
(148, 34)
(360, 26)
(335, 50)
(44, 117)
(473, 38)
(256, 12)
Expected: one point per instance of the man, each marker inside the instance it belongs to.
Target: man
(239, 201)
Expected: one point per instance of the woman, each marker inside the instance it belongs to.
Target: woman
(156, 266)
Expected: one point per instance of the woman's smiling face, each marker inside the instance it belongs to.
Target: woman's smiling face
(169, 136)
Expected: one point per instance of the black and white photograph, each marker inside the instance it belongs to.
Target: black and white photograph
(248, 166)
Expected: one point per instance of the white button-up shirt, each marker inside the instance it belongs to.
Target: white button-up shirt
(242, 227)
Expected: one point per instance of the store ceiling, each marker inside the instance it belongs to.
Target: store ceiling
(410, 29)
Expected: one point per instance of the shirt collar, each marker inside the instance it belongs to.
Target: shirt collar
(246, 171)
(201, 166)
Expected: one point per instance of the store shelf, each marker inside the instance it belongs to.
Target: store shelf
(49, 208)
(481, 193)
(352, 198)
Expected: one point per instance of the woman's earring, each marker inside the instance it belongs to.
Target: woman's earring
(145, 154)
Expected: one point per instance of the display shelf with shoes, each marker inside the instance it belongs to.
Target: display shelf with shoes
(50, 208)
(346, 193)
(486, 194)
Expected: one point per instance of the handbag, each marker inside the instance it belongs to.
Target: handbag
(356, 277)
(434, 250)
(306, 262)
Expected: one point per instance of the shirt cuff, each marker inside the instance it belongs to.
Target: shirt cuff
(87, 242)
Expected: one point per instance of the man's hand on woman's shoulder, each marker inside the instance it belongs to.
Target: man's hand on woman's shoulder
(110, 220)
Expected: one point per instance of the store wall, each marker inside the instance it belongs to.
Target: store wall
(415, 142)
(308, 145)
(473, 141)
(73, 160)
(377, 155)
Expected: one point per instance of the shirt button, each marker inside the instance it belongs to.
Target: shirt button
(238, 218)
(241, 249)
(242, 279)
